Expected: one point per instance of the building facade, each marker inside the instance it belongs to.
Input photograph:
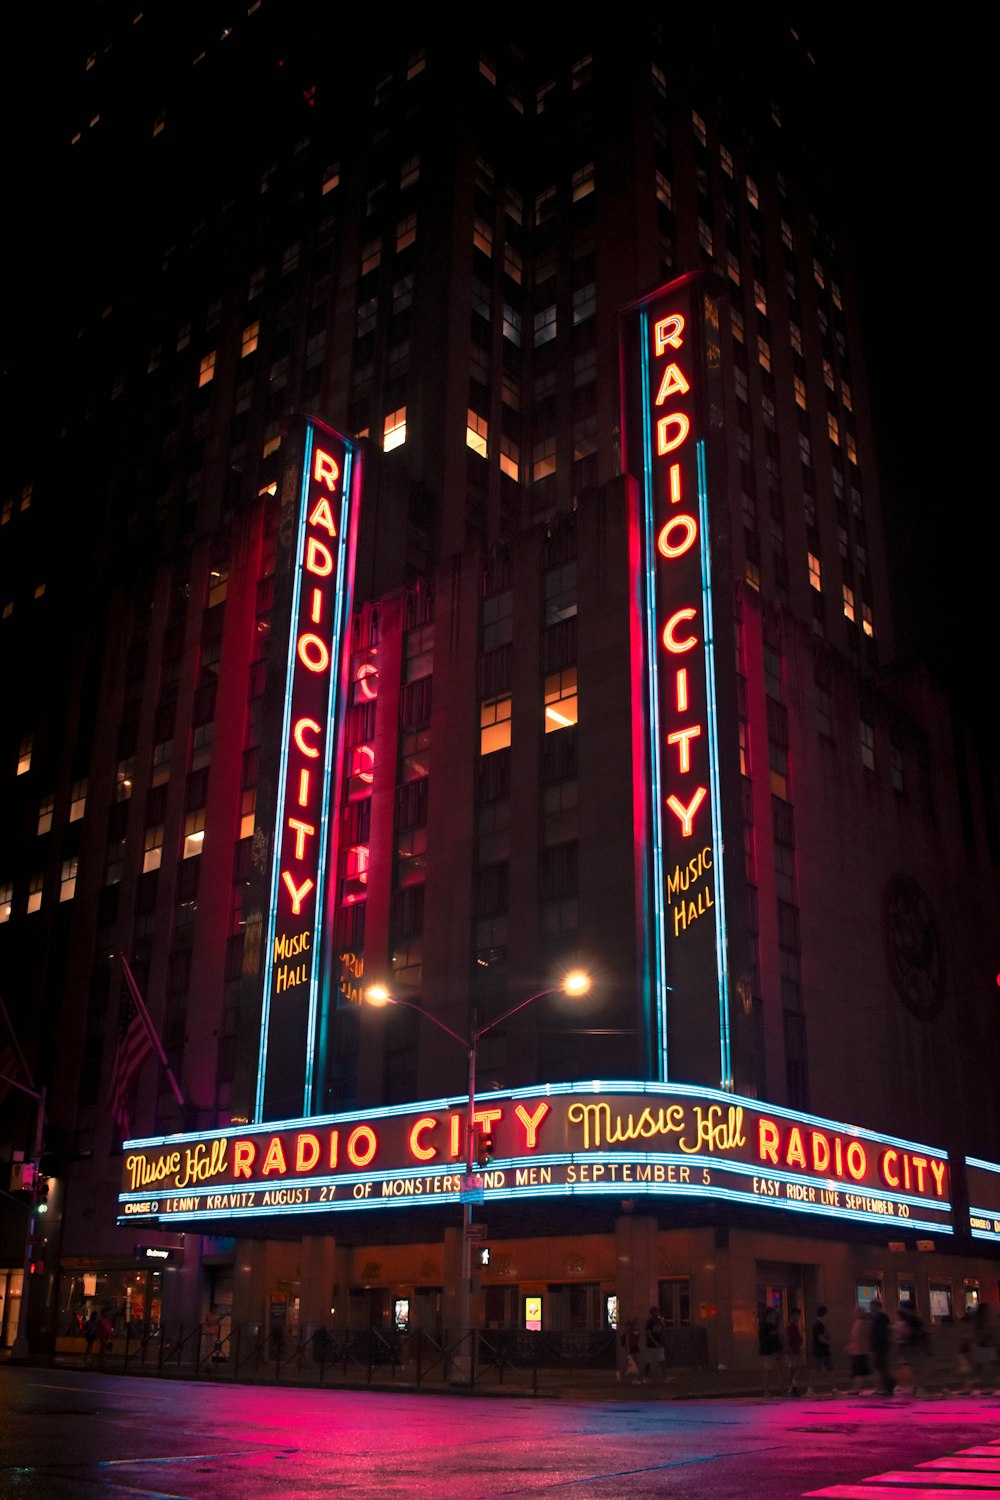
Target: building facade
(593, 666)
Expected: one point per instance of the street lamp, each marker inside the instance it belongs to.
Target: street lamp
(575, 983)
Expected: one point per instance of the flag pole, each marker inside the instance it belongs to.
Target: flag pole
(151, 1030)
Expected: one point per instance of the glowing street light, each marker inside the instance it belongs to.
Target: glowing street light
(574, 984)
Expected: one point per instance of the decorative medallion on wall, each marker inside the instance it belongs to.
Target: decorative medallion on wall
(574, 1265)
(912, 948)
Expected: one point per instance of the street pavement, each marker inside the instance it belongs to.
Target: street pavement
(67, 1435)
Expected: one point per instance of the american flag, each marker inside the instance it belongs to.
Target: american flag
(134, 1046)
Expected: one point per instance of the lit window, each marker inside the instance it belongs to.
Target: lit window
(705, 237)
(787, 238)
(833, 428)
(584, 303)
(800, 391)
(760, 297)
(77, 801)
(815, 576)
(664, 190)
(545, 326)
(736, 322)
(416, 64)
(795, 335)
(514, 205)
(544, 456)
(487, 68)
(510, 456)
(67, 879)
(409, 172)
(194, 834)
(726, 158)
(406, 232)
(764, 353)
(124, 779)
(851, 446)
(753, 197)
(206, 371)
(545, 205)
(845, 391)
(848, 602)
(513, 263)
(218, 582)
(394, 430)
(24, 756)
(700, 128)
(6, 900)
(867, 622)
(753, 575)
(818, 274)
(477, 433)
(251, 334)
(45, 811)
(867, 737)
(583, 181)
(494, 724)
(512, 325)
(162, 755)
(482, 236)
(248, 807)
(152, 848)
(331, 179)
(659, 80)
(35, 893)
(561, 701)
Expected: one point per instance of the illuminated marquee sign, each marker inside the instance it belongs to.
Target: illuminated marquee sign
(983, 1182)
(614, 1138)
(663, 375)
(325, 540)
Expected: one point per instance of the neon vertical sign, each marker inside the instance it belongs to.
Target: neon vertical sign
(663, 375)
(325, 542)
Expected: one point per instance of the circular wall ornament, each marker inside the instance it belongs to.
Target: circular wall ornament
(912, 948)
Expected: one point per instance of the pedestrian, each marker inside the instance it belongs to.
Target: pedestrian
(90, 1335)
(912, 1340)
(822, 1350)
(628, 1347)
(858, 1346)
(105, 1332)
(769, 1345)
(794, 1350)
(881, 1335)
(656, 1354)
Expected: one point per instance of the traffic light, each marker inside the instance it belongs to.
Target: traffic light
(484, 1155)
(42, 1185)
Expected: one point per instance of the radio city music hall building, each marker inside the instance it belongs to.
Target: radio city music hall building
(484, 577)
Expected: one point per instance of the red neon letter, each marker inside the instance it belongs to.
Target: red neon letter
(298, 735)
(686, 814)
(486, 1117)
(820, 1152)
(681, 737)
(422, 1153)
(361, 1145)
(302, 832)
(681, 684)
(306, 1152)
(673, 383)
(303, 788)
(274, 1161)
(768, 1141)
(937, 1170)
(668, 333)
(857, 1160)
(688, 526)
(297, 893)
(319, 559)
(359, 753)
(362, 675)
(675, 483)
(890, 1159)
(316, 609)
(665, 444)
(313, 653)
(323, 516)
(243, 1155)
(531, 1123)
(325, 469)
(795, 1154)
(668, 632)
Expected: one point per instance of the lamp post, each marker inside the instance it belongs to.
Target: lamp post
(576, 982)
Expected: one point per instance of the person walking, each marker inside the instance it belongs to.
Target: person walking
(794, 1351)
(822, 1350)
(769, 1346)
(656, 1354)
(881, 1335)
(858, 1347)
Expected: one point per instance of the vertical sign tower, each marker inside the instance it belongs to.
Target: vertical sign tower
(678, 800)
(296, 960)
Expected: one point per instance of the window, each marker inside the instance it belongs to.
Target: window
(487, 68)
(482, 236)
(477, 433)
(545, 205)
(583, 181)
(406, 232)
(24, 756)
(867, 623)
(867, 737)
(583, 70)
(77, 801)
(394, 430)
(416, 64)
(251, 335)
(764, 353)
(152, 848)
(512, 325)
(760, 297)
(194, 834)
(561, 700)
(584, 303)
(6, 900)
(218, 583)
(67, 879)
(409, 172)
(544, 458)
(45, 811)
(700, 128)
(35, 893)
(513, 263)
(833, 428)
(705, 236)
(815, 575)
(753, 198)
(494, 724)
(848, 602)
(664, 191)
(510, 454)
